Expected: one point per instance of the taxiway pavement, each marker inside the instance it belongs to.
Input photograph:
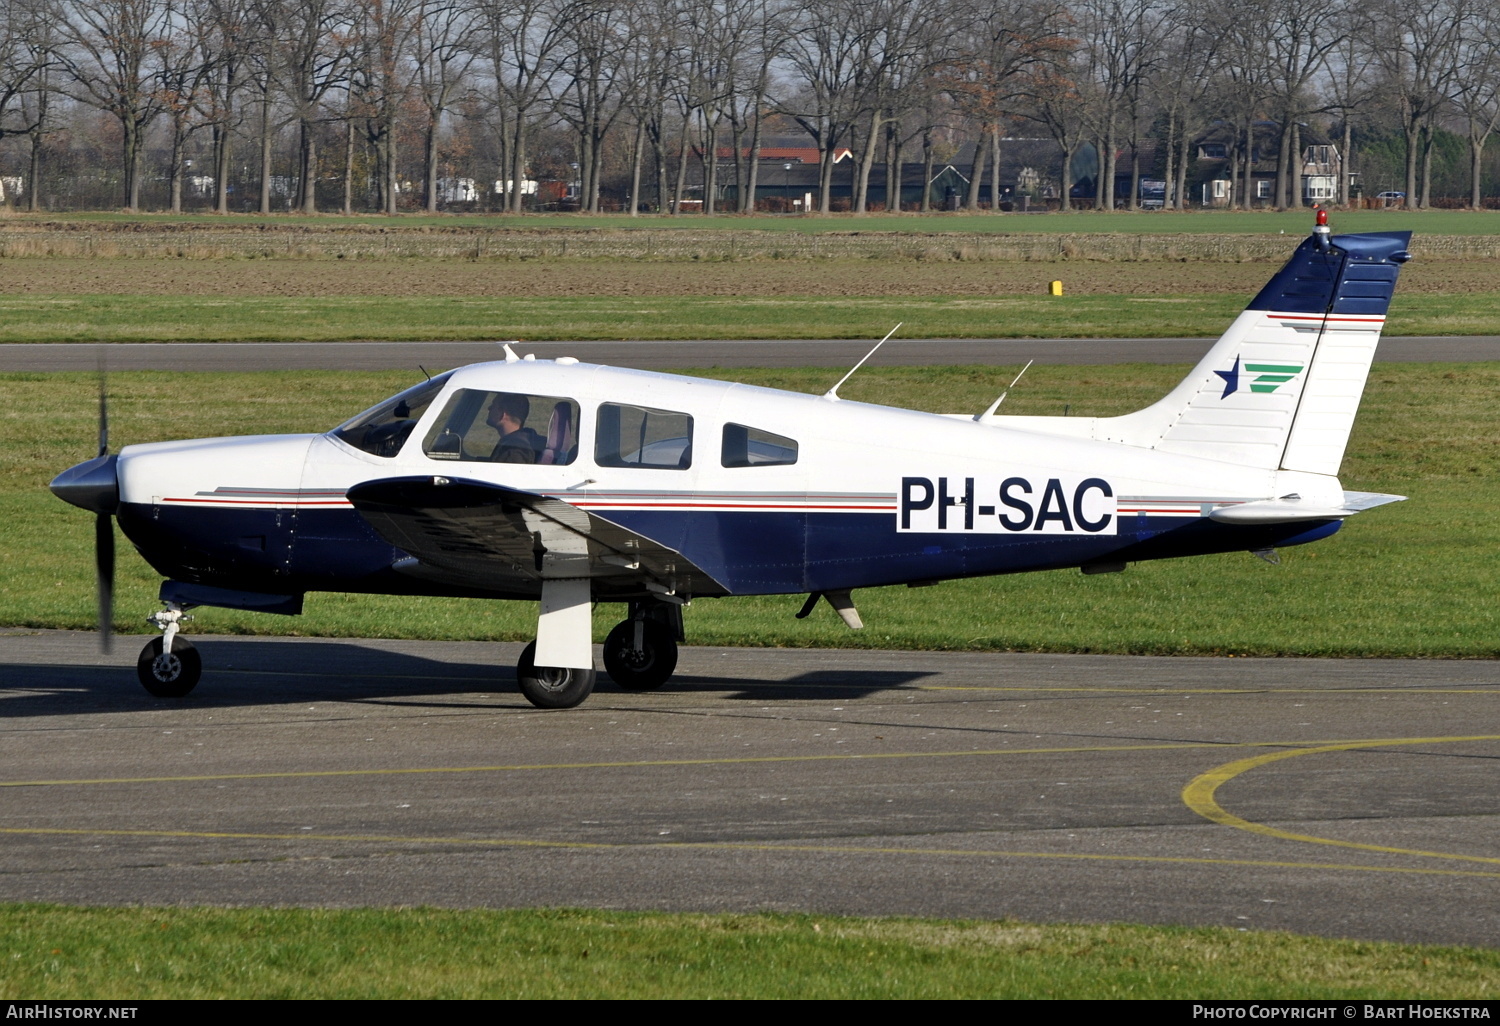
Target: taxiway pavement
(1350, 798)
(261, 356)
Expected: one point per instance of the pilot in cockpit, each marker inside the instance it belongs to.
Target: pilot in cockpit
(518, 443)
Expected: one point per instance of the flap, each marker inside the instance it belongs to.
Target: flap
(486, 536)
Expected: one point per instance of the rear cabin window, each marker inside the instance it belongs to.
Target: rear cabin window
(636, 436)
(746, 446)
(504, 427)
(383, 429)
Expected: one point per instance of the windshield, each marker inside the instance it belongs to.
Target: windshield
(382, 430)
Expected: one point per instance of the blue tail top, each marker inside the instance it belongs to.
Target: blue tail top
(1355, 274)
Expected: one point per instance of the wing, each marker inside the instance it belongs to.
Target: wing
(486, 536)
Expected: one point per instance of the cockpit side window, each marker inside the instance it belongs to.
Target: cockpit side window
(636, 436)
(382, 430)
(504, 427)
(746, 446)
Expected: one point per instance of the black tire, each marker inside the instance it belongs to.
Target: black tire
(172, 675)
(645, 669)
(552, 687)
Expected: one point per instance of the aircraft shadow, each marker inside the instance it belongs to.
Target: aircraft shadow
(240, 673)
(824, 685)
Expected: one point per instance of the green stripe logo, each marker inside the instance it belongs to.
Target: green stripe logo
(1271, 376)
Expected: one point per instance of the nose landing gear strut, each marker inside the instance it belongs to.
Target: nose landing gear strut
(169, 666)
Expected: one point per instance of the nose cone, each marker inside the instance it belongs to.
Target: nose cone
(92, 485)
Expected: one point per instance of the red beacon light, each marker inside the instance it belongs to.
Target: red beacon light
(1320, 230)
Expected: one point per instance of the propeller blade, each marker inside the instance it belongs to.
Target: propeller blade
(104, 531)
(104, 568)
(103, 411)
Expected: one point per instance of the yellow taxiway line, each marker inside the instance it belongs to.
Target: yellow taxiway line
(735, 846)
(666, 763)
(1200, 795)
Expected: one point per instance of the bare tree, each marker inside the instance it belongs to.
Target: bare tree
(223, 35)
(1122, 40)
(931, 115)
(1007, 48)
(1059, 101)
(1189, 52)
(1349, 83)
(382, 76)
(1238, 88)
(264, 28)
(1417, 43)
(310, 54)
(591, 64)
(25, 53)
(895, 53)
(1299, 40)
(184, 71)
(442, 51)
(112, 55)
(27, 43)
(766, 29)
(745, 38)
(522, 41)
(824, 49)
(1477, 89)
(648, 62)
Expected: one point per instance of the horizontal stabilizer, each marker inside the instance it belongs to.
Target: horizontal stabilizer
(1290, 508)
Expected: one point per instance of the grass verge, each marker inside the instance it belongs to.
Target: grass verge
(123, 318)
(1413, 579)
(146, 953)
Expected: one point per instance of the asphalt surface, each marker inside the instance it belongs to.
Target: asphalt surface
(251, 356)
(1343, 798)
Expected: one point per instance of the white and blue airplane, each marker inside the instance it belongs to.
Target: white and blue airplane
(569, 484)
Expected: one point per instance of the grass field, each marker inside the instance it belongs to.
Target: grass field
(941, 239)
(1438, 222)
(150, 953)
(117, 318)
(1414, 579)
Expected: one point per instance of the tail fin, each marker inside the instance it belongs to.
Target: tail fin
(1281, 387)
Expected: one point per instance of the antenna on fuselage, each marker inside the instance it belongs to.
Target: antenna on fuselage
(996, 404)
(833, 393)
(510, 354)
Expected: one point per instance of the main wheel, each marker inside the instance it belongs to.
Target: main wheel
(552, 687)
(169, 674)
(647, 667)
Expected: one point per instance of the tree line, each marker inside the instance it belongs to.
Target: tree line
(381, 101)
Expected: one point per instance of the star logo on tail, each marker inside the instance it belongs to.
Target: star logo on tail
(1268, 377)
(1231, 379)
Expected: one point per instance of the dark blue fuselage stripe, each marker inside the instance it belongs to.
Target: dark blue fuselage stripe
(749, 552)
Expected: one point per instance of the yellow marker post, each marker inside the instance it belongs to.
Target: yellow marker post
(1055, 288)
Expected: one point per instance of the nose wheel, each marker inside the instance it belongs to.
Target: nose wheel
(169, 674)
(169, 666)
